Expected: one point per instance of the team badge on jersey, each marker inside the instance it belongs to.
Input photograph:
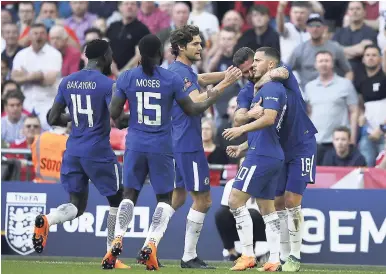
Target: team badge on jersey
(21, 210)
(187, 83)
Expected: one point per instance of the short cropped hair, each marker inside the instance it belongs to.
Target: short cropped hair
(271, 52)
(96, 48)
(182, 36)
(372, 47)
(343, 129)
(325, 52)
(262, 9)
(14, 94)
(241, 55)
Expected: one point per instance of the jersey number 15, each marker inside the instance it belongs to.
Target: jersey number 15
(77, 109)
(143, 102)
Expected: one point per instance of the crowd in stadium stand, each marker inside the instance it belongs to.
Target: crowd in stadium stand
(337, 49)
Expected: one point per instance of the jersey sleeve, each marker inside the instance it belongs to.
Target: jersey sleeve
(178, 88)
(120, 88)
(60, 97)
(189, 83)
(273, 96)
(245, 96)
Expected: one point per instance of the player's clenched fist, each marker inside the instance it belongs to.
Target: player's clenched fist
(257, 111)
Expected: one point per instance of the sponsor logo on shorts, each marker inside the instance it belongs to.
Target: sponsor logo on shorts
(21, 211)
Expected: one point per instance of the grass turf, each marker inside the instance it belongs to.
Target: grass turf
(70, 265)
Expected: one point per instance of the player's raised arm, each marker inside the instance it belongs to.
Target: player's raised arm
(277, 74)
(194, 108)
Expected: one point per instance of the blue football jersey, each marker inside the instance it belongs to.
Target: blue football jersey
(186, 130)
(150, 101)
(87, 94)
(266, 141)
(296, 127)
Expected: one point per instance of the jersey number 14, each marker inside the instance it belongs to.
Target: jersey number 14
(77, 109)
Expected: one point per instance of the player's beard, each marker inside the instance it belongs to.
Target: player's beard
(107, 70)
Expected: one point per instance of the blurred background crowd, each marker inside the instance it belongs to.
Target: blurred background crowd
(337, 50)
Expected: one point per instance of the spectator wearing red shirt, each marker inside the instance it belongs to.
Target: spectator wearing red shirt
(214, 154)
(71, 56)
(31, 128)
(153, 17)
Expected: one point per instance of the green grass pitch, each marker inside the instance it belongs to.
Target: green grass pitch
(70, 265)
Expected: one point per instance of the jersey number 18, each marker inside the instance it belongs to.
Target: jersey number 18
(77, 109)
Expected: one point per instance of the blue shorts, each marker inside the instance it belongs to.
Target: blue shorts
(192, 171)
(76, 172)
(299, 170)
(160, 167)
(258, 176)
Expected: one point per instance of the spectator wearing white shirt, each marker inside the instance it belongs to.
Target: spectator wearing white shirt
(12, 122)
(292, 33)
(205, 21)
(37, 69)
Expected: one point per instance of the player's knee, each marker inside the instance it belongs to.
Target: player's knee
(202, 200)
(116, 199)
(179, 197)
(165, 198)
(292, 200)
(280, 203)
(131, 194)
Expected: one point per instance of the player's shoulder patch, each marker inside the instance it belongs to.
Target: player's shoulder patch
(187, 83)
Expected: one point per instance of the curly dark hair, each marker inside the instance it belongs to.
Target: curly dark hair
(182, 36)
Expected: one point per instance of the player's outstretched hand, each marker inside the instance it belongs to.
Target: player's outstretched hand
(257, 111)
(232, 133)
(233, 151)
(232, 74)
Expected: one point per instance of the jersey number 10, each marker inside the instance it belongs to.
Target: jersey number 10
(77, 109)
(143, 102)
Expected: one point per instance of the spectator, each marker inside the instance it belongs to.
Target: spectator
(6, 18)
(343, 154)
(7, 87)
(303, 57)
(47, 152)
(81, 19)
(166, 6)
(355, 37)
(31, 128)
(153, 17)
(382, 25)
(4, 71)
(294, 32)
(26, 15)
(180, 17)
(49, 16)
(226, 121)
(168, 56)
(261, 34)
(70, 55)
(332, 102)
(63, 7)
(234, 20)
(92, 34)
(12, 123)
(10, 35)
(372, 93)
(205, 21)
(100, 24)
(226, 227)
(125, 35)
(372, 14)
(224, 51)
(37, 69)
(103, 9)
